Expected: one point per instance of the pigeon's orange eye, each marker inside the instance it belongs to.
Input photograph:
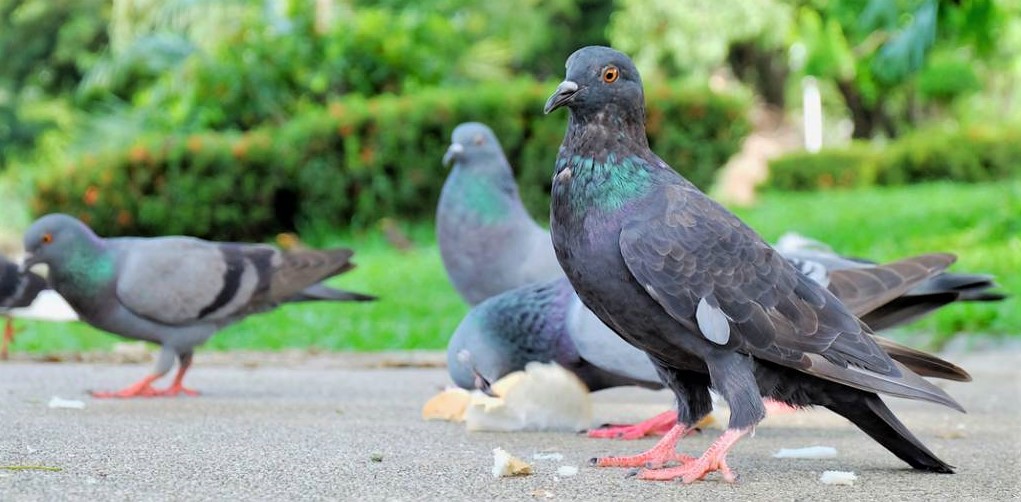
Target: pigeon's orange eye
(47, 238)
(610, 74)
(479, 139)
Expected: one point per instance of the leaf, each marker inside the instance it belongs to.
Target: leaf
(904, 53)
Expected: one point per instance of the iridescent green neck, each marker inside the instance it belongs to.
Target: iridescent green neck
(607, 184)
(484, 198)
(85, 270)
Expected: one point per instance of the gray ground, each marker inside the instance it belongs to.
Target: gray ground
(308, 428)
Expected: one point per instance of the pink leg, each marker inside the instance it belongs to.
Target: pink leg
(714, 459)
(774, 407)
(663, 452)
(178, 387)
(8, 338)
(657, 425)
(142, 388)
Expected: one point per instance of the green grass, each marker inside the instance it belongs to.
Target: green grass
(419, 309)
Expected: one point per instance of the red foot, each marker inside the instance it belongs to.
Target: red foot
(655, 426)
(8, 338)
(664, 452)
(714, 459)
(143, 388)
(175, 390)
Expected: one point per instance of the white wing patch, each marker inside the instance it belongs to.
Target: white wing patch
(813, 269)
(713, 323)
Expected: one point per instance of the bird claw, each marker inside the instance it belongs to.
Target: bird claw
(176, 390)
(146, 391)
(657, 425)
(691, 471)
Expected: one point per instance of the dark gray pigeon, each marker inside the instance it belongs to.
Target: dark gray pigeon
(547, 322)
(17, 290)
(680, 277)
(488, 241)
(174, 291)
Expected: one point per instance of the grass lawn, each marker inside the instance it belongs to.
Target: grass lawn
(419, 308)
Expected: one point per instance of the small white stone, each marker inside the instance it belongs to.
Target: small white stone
(838, 478)
(566, 471)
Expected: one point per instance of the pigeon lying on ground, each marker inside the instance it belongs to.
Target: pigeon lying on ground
(546, 322)
(680, 277)
(174, 291)
(481, 224)
(17, 290)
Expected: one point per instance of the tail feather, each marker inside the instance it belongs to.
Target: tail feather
(906, 309)
(320, 292)
(970, 287)
(922, 363)
(872, 416)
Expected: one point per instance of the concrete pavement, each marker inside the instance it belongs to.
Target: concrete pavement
(340, 427)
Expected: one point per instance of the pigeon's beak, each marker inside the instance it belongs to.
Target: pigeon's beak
(564, 93)
(483, 385)
(29, 262)
(455, 151)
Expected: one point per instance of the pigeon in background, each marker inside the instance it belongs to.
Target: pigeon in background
(680, 277)
(17, 290)
(547, 322)
(816, 259)
(488, 242)
(174, 291)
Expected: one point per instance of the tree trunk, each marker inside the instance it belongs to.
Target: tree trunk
(763, 69)
(867, 119)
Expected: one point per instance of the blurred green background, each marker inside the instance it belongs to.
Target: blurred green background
(328, 118)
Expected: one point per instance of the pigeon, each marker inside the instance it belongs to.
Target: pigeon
(488, 242)
(17, 290)
(174, 291)
(816, 259)
(547, 322)
(712, 304)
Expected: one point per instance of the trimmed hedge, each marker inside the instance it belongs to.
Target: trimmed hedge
(969, 155)
(357, 161)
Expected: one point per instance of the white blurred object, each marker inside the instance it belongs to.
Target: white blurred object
(506, 465)
(544, 397)
(48, 306)
(566, 471)
(811, 452)
(838, 478)
(812, 110)
(71, 404)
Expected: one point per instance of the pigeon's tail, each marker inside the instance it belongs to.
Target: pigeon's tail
(922, 363)
(969, 287)
(872, 416)
(299, 275)
(906, 309)
(320, 292)
(931, 294)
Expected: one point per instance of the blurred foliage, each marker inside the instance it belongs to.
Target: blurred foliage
(968, 155)
(693, 36)
(878, 51)
(356, 161)
(47, 46)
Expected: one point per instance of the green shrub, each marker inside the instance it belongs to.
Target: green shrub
(358, 160)
(969, 155)
(837, 168)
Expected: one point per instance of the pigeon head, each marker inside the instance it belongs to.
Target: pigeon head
(474, 359)
(53, 237)
(473, 144)
(601, 82)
